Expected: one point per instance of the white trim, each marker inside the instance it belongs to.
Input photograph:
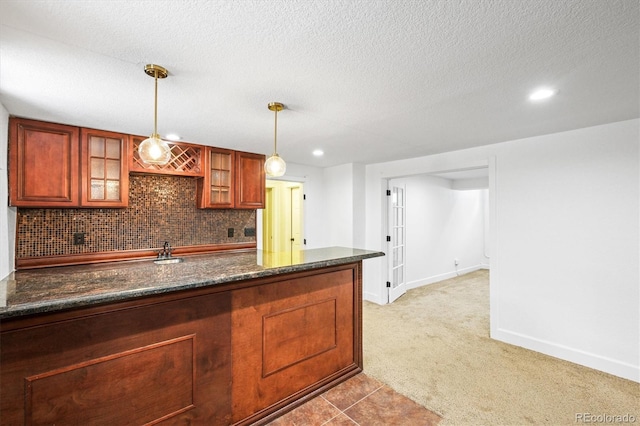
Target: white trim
(441, 277)
(576, 356)
(383, 296)
(288, 178)
(494, 280)
(373, 297)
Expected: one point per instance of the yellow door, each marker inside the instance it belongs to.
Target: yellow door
(283, 217)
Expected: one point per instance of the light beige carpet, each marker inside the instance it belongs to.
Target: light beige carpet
(433, 346)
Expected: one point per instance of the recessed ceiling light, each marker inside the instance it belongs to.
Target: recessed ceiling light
(318, 153)
(173, 137)
(540, 94)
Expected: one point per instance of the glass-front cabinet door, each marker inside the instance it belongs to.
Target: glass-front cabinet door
(105, 177)
(216, 189)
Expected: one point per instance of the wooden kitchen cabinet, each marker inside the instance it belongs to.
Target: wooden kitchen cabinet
(55, 165)
(186, 159)
(233, 179)
(159, 360)
(43, 164)
(250, 180)
(216, 188)
(293, 335)
(104, 165)
(241, 353)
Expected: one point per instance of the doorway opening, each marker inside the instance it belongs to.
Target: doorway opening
(282, 217)
(437, 227)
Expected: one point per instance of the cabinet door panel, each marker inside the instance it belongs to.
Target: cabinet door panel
(105, 174)
(215, 189)
(290, 336)
(250, 181)
(43, 164)
(166, 362)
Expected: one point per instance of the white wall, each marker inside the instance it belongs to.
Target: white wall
(345, 205)
(359, 205)
(7, 214)
(442, 224)
(565, 252)
(569, 202)
(338, 206)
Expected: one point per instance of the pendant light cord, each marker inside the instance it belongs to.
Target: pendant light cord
(155, 105)
(275, 135)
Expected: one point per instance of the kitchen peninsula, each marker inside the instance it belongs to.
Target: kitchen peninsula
(218, 339)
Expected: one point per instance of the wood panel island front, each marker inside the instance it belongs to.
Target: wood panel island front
(220, 339)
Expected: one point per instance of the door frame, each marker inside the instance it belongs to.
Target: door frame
(490, 163)
(261, 215)
(266, 231)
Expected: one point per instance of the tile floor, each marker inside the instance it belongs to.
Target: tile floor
(362, 401)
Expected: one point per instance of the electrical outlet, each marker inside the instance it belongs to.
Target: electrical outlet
(78, 238)
(249, 232)
(230, 232)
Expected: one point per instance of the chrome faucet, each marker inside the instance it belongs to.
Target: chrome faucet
(165, 253)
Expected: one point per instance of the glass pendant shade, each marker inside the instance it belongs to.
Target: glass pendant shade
(154, 150)
(275, 166)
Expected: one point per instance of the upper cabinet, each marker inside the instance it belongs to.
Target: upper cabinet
(216, 188)
(250, 180)
(105, 175)
(43, 164)
(186, 159)
(232, 179)
(55, 165)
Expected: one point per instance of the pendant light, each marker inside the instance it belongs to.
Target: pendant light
(275, 166)
(154, 150)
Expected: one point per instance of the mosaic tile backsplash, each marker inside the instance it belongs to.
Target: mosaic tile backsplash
(161, 208)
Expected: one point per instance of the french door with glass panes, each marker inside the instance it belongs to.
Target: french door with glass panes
(396, 241)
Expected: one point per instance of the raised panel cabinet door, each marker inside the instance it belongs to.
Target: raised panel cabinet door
(293, 336)
(167, 362)
(218, 183)
(105, 173)
(43, 164)
(250, 180)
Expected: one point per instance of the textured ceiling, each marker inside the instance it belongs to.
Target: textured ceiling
(364, 80)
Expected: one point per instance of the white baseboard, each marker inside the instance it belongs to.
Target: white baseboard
(441, 277)
(591, 360)
(373, 297)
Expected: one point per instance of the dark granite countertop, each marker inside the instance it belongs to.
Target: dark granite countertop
(37, 291)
